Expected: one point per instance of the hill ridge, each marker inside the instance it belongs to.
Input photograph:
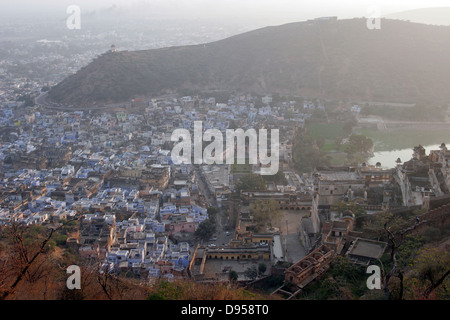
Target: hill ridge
(343, 59)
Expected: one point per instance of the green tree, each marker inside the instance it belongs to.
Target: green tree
(251, 182)
(206, 229)
(212, 212)
(262, 267)
(359, 143)
(265, 213)
(233, 276)
(165, 291)
(278, 178)
(432, 268)
(306, 154)
(251, 272)
(343, 268)
(27, 99)
(342, 206)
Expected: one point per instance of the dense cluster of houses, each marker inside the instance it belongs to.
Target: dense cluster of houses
(105, 165)
(139, 211)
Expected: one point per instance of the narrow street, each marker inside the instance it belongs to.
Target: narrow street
(221, 235)
(293, 249)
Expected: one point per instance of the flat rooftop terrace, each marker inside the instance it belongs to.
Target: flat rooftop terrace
(367, 248)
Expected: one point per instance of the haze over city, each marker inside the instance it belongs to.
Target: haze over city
(260, 12)
(263, 150)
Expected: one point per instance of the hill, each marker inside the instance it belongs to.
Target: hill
(343, 59)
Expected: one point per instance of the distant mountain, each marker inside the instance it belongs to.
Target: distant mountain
(434, 16)
(401, 62)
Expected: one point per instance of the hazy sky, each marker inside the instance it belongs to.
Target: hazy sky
(277, 11)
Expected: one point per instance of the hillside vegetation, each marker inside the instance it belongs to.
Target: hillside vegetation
(401, 62)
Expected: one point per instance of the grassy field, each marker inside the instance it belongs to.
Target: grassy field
(329, 146)
(337, 158)
(327, 131)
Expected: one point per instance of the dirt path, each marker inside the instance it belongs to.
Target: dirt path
(290, 221)
(293, 249)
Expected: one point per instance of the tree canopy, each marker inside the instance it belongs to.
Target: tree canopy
(265, 213)
(306, 154)
(251, 182)
(206, 229)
